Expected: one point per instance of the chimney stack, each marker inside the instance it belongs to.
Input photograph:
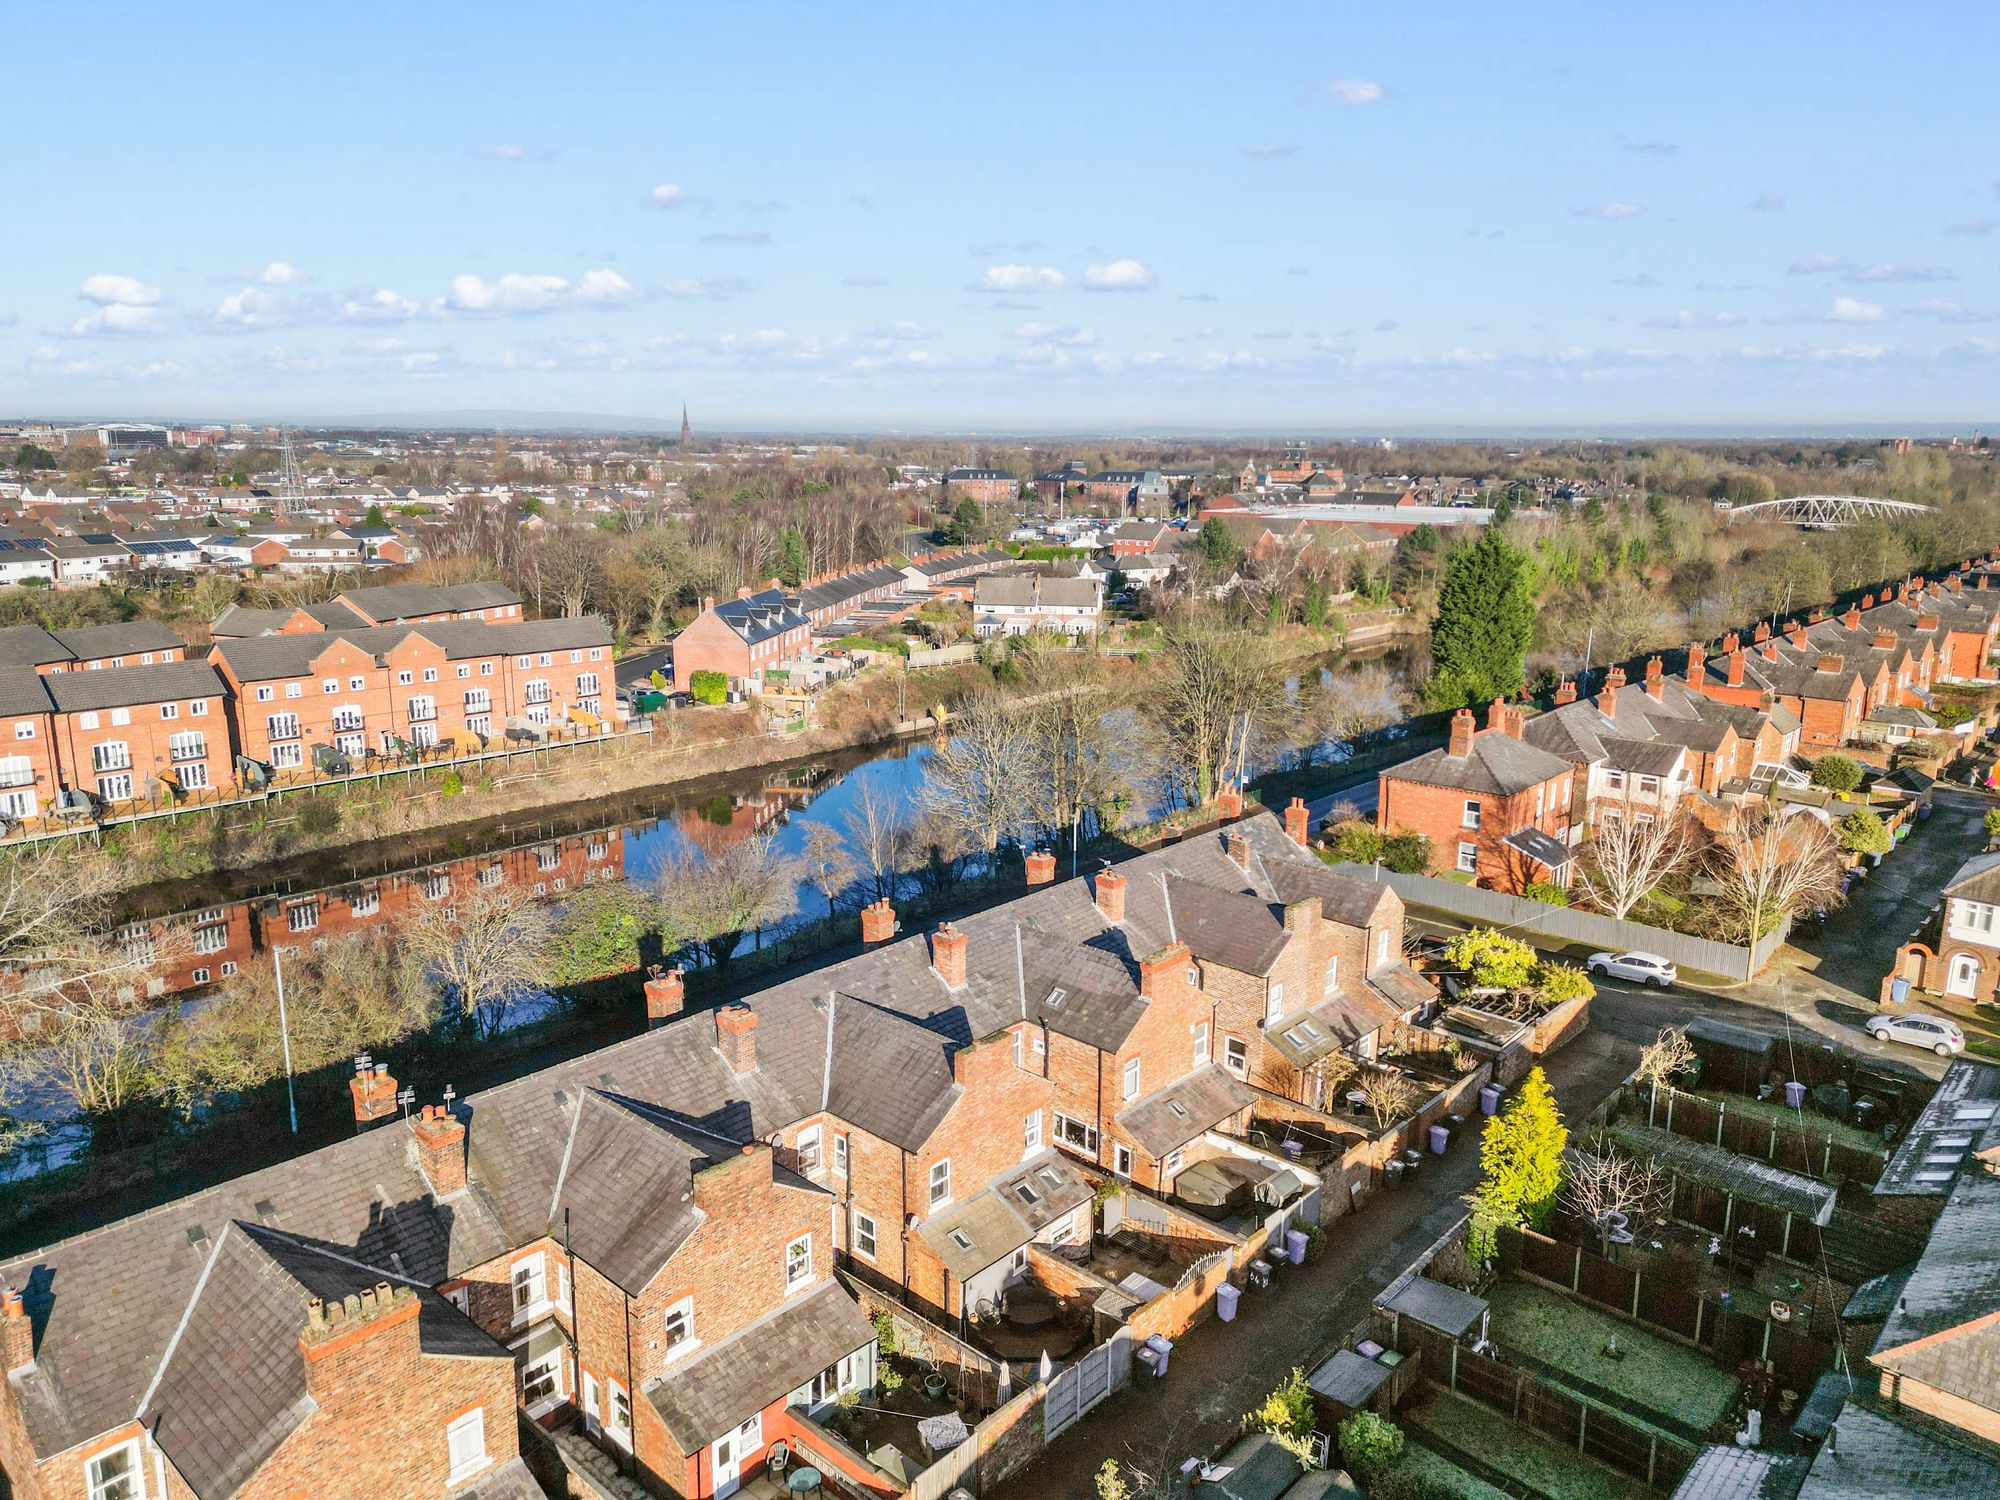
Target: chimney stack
(374, 1093)
(1927, 621)
(1040, 867)
(1229, 803)
(1795, 633)
(736, 1037)
(17, 1332)
(1697, 659)
(1461, 734)
(666, 994)
(1957, 583)
(1852, 619)
(1111, 895)
(1607, 696)
(334, 1328)
(1656, 678)
(1298, 822)
(1160, 973)
(1238, 848)
(1565, 692)
(948, 955)
(1731, 642)
(1868, 601)
(440, 1150)
(878, 922)
(1736, 666)
(1762, 633)
(1496, 716)
(1831, 663)
(1885, 639)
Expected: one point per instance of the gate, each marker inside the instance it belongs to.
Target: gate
(1074, 1391)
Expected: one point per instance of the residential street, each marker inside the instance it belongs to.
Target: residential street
(1219, 1370)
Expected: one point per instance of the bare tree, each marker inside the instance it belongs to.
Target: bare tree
(1073, 765)
(980, 778)
(486, 952)
(1214, 685)
(1663, 1060)
(878, 832)
(707, 901)
(1631, 854)
(1609, 1189)
(1390, 1095)
(1772, 867)
(829, 865)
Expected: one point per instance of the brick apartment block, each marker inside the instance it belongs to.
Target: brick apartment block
(637, 1245)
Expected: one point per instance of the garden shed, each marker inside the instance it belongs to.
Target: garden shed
(1344, 1385)
(1440, 1308)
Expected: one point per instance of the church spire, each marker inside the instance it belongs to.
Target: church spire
(687, 433)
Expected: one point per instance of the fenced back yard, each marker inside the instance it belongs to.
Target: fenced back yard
(1510, 1456)
(1796, 1140)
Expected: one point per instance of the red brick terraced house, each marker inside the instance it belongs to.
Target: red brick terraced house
(1493, 805)
(423, 603)
(743, 638)
(134, 643)
(635, 1249)
(128, 734)
(447, 682)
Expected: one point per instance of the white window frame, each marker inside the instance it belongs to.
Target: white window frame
(536, 1267)
(811, 1156)
(1076, 1128)
(689, 1341)
(1382, 946)
(560, 1370)
(1121, 1159)
(1200, 1033)
(472, 1425)
(1468, 859)
(135, 1472)
(1274, 1001)
(1031, 1133)
(795, 1283)
(1332, 975)
(940, 1183)
(1236, 1056)
(1129, 1078)
(1470, 817)
(865, 1230)
(618, 1413)
(840, 1153)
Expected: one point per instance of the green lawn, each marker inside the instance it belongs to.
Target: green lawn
(1545, 1467)
(1653, 1374)
(1447, 1477)
(1815, 1127)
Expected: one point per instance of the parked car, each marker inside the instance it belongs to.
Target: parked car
(1641, 968)
(1918, 1030)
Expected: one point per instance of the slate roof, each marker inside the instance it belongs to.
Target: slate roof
(72, 692)
(1229, 928)
(125, 638)
(1927, 1161)
(259, 658)
(1874, 1456)
(768, 613)
(236, 621)
(390, 602)
(1350, 1379)
(1498, 764)
(21, 691)
(831, 593)
(1355, 903)
(1174, 1115)
(1723, 1471)
(1033, 591)
(1541, 847)
(720, 1388)
(959, 562)
(1435, 1305)
(1978, 879)
(29, 646)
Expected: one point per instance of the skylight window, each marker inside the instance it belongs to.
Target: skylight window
(958, 1238)
(1027, 1193)
(1179, 1110)
(1056, 997)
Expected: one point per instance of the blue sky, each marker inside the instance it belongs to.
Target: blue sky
(1145, 217)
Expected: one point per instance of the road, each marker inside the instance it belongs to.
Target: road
(641, 665)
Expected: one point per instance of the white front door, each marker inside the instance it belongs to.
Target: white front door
(729, 1453)
(1964, 975)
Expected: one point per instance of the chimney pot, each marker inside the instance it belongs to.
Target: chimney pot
(666, 996)
(1111, 895)
(1160, 971)
(1852, 619)
(374, 1094)
(1239, 849)
(948, 947)
(440, 1150)
(736, 1036)
(1565, 692)
(1762, 633)
(878, 922)
(1229, 803)
(1831, 663)
(1736, 666)
(1298, 822)
(1731, 642)
(1041, 867)
(1461, 734)
(17, 1332)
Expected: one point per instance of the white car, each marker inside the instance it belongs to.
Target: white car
(1641, 968)
(1935, 1032)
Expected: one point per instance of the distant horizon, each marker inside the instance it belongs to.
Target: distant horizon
(1693, 219)
(596, 424)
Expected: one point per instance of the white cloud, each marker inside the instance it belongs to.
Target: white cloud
(378, 306)
(1817, 265)
(504, 152)
(1945, 310)
(116, 318)
(1610, 213)
(1064, 335)
(604, 287)
(281, 273)
(1769, 201)
(1893, 272)
(118, 291)
(1686, 319)
(713, 288)
(1012, 278)
(666, 195)
(1854, 310)
(1352, 91)
(1118, 276)
(1458, 357)
(249, 308)
(520, 292)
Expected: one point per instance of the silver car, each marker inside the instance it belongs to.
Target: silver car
(1640, 968)
(1917, 1030)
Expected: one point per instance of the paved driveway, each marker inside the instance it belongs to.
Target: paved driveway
(642, 664)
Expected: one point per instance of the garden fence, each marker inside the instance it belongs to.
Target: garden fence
(1794, 1145)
